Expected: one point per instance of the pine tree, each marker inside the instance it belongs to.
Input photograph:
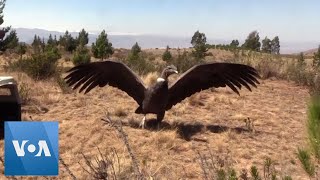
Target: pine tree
(36, 44)
(134, 55)
(135, 49)
(68, 42)
(234, 43)
(4, 43)
(11, 41)
(61, 41)
(50, 41)
(2, 5)
(275, 45)
(266, 45)
(316, 58)
(252, 41)
(301, 61)
(42, 45)
(166, 56)
(137, 61)
(198, 42)
(21, 49)
(55, 41)
(102, 48)
(83, 38)
(3, 31)
(81, 56)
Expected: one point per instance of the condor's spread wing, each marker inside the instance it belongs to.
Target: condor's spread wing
(204, 76)
(112, 73)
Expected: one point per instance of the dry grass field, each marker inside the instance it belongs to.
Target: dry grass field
(209, 122)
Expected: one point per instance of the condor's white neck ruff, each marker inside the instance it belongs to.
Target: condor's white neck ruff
(160, 79)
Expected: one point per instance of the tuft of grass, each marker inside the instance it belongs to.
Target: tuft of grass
(269, 171)
(306, 162)
(118, 126)
(255, 173)
(249, 124)
(221, 174)
(287, 178)
(232, 175)
(244, 174)
(120, 112)
(214, 167)
(313, 125)
(196, 100)
(103, 166)
(62, 84)
(24, 93)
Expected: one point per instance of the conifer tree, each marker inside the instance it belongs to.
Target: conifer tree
(252, 41)
(198, 42)
(102, 48)
(167, 56)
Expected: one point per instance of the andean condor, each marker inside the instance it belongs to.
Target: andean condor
(160, 97)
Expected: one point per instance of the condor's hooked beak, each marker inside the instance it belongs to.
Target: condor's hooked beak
(176, 72)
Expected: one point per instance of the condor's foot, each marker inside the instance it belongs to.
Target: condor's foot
(142, 123)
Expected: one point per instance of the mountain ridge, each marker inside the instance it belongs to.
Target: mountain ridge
(123, 40)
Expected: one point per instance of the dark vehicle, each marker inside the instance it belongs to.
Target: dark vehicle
(10, 103)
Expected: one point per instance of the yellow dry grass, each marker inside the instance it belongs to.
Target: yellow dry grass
(278, 109)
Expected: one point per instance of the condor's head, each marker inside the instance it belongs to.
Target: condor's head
(169, 70)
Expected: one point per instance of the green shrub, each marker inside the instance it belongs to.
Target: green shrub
(314, 87)
(81, 56)
(305, 160)
(268, 68)
(297, 72)
(137, 60)
(314, 125)
(167, 56)
(138, 63)
(38, 66)
(185, 61)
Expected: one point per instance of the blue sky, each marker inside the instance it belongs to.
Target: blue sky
(291, 20)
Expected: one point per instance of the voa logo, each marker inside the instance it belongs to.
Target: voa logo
(31, 148)
(42, 147)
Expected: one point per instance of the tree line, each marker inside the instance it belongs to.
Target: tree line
(252, 42)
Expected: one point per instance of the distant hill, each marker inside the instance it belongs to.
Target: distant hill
(118, 41)
(310, 52)
(155, 41)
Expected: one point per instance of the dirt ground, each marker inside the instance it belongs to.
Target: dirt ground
(212, 121)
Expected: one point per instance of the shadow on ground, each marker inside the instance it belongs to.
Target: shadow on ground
(184, 129)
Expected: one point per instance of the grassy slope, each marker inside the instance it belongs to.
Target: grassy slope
(278, 109)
